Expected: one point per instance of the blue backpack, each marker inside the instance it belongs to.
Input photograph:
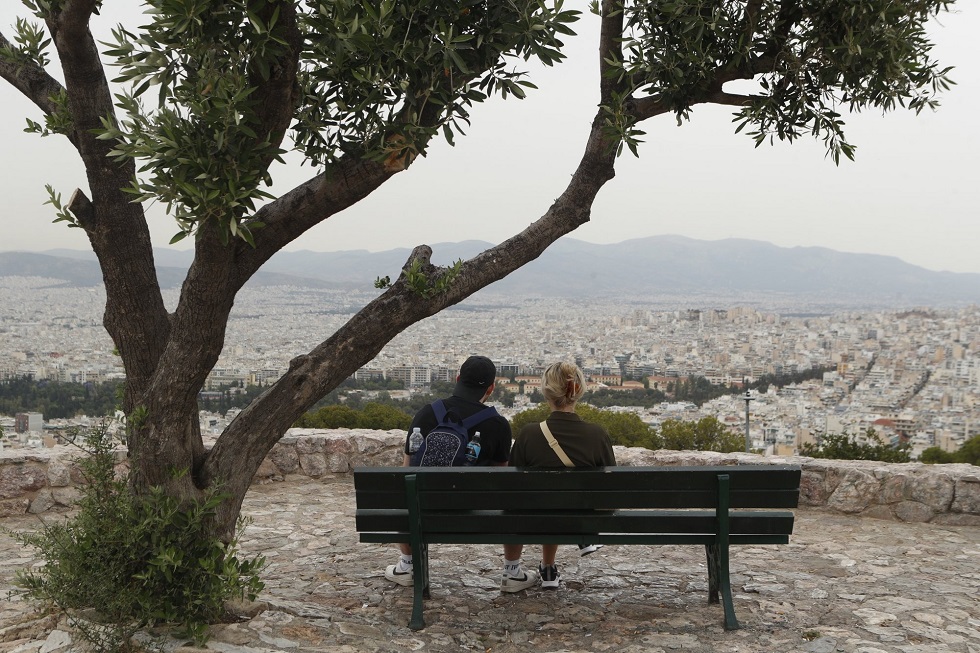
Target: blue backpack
(445, 444)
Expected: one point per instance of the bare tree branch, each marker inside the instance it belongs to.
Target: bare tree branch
(81, 207)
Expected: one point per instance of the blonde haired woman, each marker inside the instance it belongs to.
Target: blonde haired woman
(573, 442)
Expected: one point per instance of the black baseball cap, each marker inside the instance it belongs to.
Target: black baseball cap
(476, 374)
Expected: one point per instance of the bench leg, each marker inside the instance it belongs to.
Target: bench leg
(720, 583)
(421, 586)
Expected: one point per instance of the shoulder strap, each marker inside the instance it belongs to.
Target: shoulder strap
(554, 445)
(479, 416)
(439, 409)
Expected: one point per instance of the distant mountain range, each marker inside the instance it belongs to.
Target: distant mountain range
(652, 267)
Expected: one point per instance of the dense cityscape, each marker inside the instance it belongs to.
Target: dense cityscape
(910, 374)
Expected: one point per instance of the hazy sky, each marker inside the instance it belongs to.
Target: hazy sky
(913, 192)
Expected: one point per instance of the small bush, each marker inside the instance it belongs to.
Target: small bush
(625, 429)
(969, 453)
(124, 562)
(935, 456)
(374, 415)
(844, 446)
(706, 434)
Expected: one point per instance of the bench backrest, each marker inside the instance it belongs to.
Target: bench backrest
(509, 488)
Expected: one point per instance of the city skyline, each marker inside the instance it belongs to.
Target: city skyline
(910, 194)
(912, 371)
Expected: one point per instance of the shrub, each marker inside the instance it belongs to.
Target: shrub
(531, 416)
(935, 455)
(707, 434)
(969, 453)
(625, 429)
(845, 446)
(124, 561)
(374, 415)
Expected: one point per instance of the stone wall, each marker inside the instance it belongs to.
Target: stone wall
(38, 480)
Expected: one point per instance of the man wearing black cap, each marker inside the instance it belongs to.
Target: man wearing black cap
(474, 385)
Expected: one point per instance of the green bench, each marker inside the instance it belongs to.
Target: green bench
(712, 506)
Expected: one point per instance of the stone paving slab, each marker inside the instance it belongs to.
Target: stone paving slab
(843, 584)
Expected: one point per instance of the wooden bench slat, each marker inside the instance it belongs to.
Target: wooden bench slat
(649, 539)
(634, 521)
(755, 477)
(551, 499)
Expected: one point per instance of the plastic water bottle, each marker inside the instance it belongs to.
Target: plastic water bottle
(415, 440)
(473, 449)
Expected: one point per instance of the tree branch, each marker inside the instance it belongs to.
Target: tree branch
(648, 107)
(78, 11)
(731, 99)
(135, 316)
(89, 98)
(787, 17)
(340, 186)
(610, 49)
(34, 83)
(81, 207)
(752, 8)
(276, 96)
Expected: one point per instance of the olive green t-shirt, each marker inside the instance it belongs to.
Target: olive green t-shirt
(586, 444)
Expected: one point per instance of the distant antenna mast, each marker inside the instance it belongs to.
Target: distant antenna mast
(747, 397)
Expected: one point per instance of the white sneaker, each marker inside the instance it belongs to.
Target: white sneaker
(586, 549)
(510, 583)
(404, 577)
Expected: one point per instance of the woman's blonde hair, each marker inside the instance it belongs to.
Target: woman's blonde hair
(563, 384)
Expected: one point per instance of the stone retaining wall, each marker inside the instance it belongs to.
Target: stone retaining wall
(38, 480)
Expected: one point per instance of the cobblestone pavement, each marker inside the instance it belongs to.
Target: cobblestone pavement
(842, 584)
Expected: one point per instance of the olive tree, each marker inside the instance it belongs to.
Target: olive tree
(205, 96)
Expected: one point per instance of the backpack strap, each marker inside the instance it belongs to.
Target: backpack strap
(479, 416)
(439, 408)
